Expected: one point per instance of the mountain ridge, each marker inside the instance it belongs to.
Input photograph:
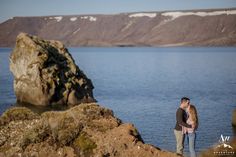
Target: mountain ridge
(205, 27)
(215, 9)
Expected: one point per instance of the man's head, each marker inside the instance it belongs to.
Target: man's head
(185, 102)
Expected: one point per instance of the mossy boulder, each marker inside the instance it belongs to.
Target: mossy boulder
(46, 74)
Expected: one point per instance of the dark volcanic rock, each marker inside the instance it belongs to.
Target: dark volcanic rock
(45, 73)
(86, 130)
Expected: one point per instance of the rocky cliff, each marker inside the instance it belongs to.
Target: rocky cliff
(85, 130)
(46, 74)
(170, 28)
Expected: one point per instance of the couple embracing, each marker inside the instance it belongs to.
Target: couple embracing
(186, 125)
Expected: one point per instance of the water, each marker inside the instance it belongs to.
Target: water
(144, 85)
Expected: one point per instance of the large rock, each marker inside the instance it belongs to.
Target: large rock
(45, 73)
(83, 130)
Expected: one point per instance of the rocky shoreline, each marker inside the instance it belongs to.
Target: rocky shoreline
(84, 130)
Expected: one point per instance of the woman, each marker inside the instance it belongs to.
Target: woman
(190, 132)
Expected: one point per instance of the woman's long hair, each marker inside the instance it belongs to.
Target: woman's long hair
(194, 116)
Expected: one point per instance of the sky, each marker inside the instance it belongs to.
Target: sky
(11, 8)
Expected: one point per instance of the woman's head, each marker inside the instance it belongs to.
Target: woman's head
(192, 111)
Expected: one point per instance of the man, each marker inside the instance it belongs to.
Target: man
(181, 118)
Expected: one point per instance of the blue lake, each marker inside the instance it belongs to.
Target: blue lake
(143, 86)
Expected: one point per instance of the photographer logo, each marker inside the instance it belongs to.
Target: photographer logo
(224, 148)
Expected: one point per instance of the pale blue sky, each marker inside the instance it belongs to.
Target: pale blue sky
(11, 8)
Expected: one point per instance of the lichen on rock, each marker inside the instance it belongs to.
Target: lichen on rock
(46, 74)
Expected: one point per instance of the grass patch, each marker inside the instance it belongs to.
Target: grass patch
(17, 113)
(84, 143)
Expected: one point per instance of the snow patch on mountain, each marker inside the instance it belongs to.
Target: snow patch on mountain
(73, 18)
(57, 18)
(90, 18)
(178, 14)
(150, 15)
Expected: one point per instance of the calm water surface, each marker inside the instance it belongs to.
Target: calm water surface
(144, 85)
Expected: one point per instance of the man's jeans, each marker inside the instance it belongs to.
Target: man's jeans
(191, 142)
(179, 136)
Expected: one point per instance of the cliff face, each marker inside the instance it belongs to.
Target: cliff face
(175, 28)
(85, 130)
